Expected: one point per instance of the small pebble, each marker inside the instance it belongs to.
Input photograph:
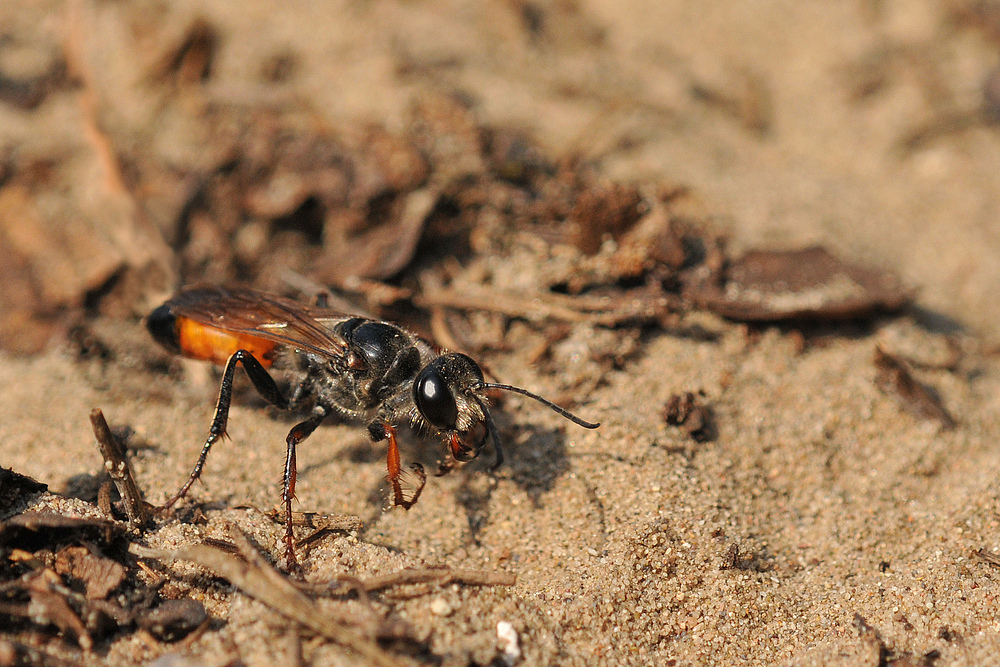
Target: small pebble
(440, 607)
(508, 643)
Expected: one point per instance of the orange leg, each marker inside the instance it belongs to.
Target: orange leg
(393, 467)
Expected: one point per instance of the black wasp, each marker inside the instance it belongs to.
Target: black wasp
(363, 369)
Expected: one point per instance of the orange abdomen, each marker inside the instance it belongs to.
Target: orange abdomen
(193, 339)
(200, 341)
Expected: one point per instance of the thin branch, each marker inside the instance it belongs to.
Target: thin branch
(116, 463)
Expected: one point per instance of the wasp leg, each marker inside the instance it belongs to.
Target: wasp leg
(265, 386)
(298, 433)
(380, 432)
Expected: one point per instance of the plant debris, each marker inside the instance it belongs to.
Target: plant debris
(99, 575)
(173, 620)
(687, 411)
(321, 524)
(117, 466)
(436, 576)
(51, 527)
(987, 557)
(468, 233)
(258, 579)
(894, 377)
(809, 284)
(15, 487)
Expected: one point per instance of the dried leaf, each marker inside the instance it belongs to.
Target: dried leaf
(48, 606)
(809, 284)
(50, 527)
(99, 575)
(381, 251)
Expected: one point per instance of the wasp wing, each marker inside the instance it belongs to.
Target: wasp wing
(254, 313)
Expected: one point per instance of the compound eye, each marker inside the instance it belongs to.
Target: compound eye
(434, 399)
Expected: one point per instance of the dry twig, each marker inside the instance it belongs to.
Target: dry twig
(440, 576)
(987, 557)
(116, 463)
(602, 311)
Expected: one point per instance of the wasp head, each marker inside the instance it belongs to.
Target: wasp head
(448, 395)
(445, 394)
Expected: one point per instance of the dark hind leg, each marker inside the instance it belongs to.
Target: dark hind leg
(265, 386)
(298, 433)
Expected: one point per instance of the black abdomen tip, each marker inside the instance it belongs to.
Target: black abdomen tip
(162, 325)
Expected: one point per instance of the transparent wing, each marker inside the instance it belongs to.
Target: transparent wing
(254, 313)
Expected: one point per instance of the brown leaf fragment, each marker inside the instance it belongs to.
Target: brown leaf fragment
(99, 575)
(47, 606)
(807, 284)
(173, 620)
(687, 411)
(604, 211)
(14, 486)
(380, 251)
(894, 378)
(50, 526)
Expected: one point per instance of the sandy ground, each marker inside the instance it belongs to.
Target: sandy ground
(839, 503)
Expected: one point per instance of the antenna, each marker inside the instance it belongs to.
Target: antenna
(494, 433)
(524, 392)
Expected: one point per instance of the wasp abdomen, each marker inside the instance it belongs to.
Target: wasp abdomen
(162, 324)
(195, 340)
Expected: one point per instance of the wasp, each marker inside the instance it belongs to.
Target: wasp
(362, 369)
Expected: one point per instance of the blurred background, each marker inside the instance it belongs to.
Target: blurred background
(355, 144)
(583, 194)
(148, 144)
